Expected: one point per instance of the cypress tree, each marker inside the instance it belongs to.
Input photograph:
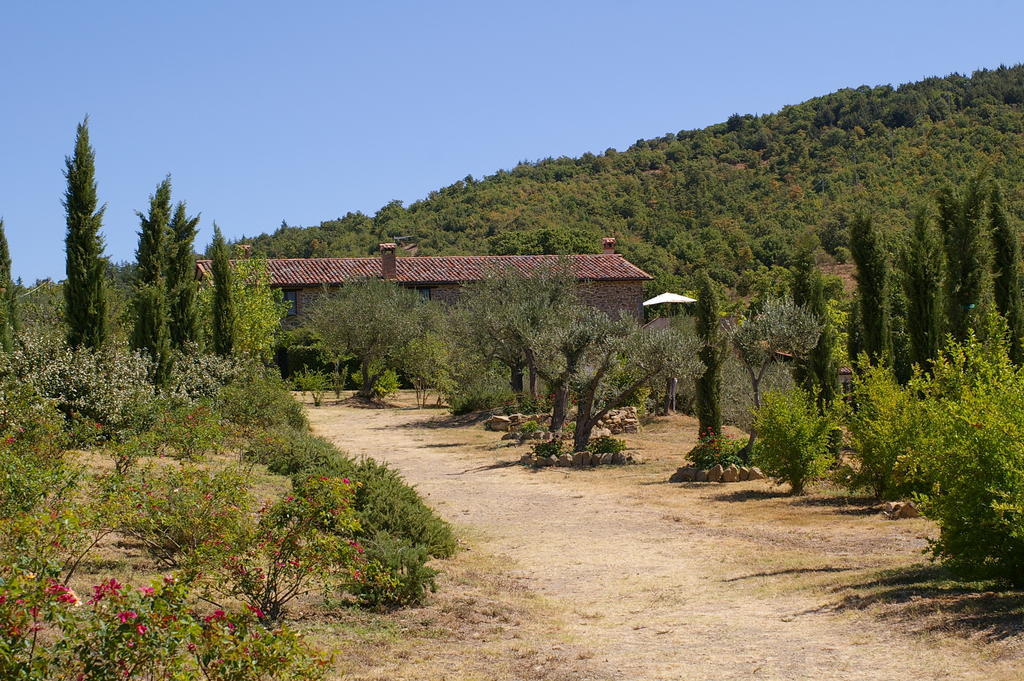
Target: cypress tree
(869, 254)
(8, 313)
(150, 333)
(1006, 271)
(181, 280)
(223, 305)
(966, 240)
(818, 372)
(709, 384)
(923, 283)
(85, 306)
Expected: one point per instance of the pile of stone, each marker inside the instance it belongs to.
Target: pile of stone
(717, 473)
(513, 423)
(897, 510)
(617, 421)
(579, 460)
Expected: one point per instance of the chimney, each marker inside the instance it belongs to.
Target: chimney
(608, 245)
(244, 251)
(387, 261)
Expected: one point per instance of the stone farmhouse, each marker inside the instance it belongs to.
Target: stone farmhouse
(605, 280)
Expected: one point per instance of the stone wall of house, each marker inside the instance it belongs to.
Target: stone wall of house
(614, 298)
(447, 294)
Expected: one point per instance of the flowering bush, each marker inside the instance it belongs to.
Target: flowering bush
(179, 510)
(48, 633)
(189, 432)
(197, 375)
(108, 390)
(301, 543)
(716, 449)
(32, 463)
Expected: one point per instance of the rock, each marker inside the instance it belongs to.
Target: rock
(527, 459)
(618, 458)
(685, 474)
(715, 473)
(564, 461)
(744, 473)
(498, 423)
(537, 435)
(509, 436)
(890, 507)
(600, 432)
(607, 459)
(756, 474)
(907, 510)
(581, 459)
(701, 476)
(730, 473)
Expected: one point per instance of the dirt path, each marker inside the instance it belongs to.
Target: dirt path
(649, 581)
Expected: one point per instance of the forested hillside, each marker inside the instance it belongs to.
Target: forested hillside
(732, 198)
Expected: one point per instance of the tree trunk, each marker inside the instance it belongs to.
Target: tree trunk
(561, 408)
(584, 422)
(517, 380)
(366, 390)
(531, 365)
(671, 385)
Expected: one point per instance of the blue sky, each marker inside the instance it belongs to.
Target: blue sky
(303, 111)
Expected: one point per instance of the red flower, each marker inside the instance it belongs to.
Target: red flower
(127, 615)
(141, 629)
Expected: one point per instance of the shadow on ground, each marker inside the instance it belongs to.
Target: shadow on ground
(928, 598)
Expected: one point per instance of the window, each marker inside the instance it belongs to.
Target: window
(424, 292)
(292, 298)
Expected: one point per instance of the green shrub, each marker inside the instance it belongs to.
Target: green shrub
(386, 385)
(973, 458)
(286, 451)
(554, 447)
(32, 462)
(606, 444)
(716, 449)
(884, 430)
(477, 391)
(313, 382)
(259, 401)
(793, 438)
(396, 573)
(188, 432)
(197, 375)
(176, 511)
(530, 426)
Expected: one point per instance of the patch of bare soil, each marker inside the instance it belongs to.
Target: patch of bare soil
(612, 573)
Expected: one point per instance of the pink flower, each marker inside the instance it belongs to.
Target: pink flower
(141, 629)
(256, 611)
(127, 615)
(147, 590)
(216, 616)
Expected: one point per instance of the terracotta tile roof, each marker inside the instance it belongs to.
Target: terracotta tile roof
(450, 269)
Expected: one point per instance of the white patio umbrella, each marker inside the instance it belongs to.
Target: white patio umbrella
(669, 298)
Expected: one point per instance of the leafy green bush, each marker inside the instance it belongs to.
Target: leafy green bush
(793, 444)
(32, 462)
(477, 391)
(313, 382)
(386, 385)
(396, 573)
(606, 444)
(176, 511)
(259, 401)
(972, 456)
(530, 426)
(716, 449)
(198, 375)
(884, 430)
(554, 447)
(286, 451)
(188, 432)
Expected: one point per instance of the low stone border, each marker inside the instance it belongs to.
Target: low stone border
(717, 473)
(579, 460)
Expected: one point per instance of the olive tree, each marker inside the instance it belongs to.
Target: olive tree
(778, 327)
(506, 315)
(372, 319)
(606, 361)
